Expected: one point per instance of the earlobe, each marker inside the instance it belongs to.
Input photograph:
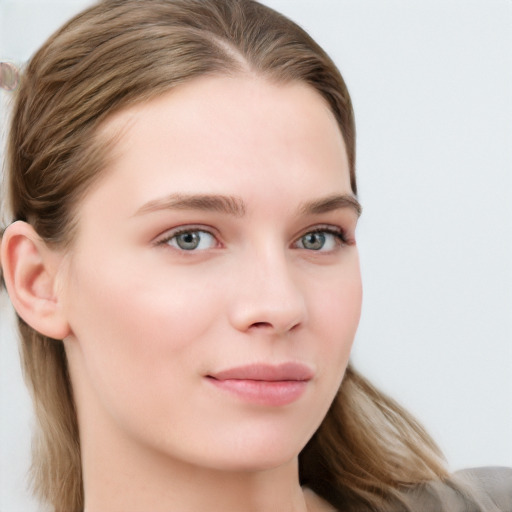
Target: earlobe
(30, 269)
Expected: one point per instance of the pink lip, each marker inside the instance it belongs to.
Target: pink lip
(265, 384)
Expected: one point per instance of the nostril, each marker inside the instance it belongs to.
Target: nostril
(261, 324)
(269, 325)
(262, 314)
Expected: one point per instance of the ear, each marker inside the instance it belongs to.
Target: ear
(30, 268)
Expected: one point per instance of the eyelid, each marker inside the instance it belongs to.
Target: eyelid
(168, 235)
(337, 231)
(334, 230)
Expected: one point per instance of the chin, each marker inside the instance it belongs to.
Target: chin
(257, 453)
(254, 463)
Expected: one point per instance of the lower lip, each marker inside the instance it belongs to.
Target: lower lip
(262, 392)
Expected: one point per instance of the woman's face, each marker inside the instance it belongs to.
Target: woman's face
(213, 292)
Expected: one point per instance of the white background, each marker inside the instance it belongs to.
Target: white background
(431, 82)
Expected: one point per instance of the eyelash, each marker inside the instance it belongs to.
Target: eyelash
(337, 232)
(181, 231)
(331, 230)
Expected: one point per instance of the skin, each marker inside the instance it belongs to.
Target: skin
(147, 321)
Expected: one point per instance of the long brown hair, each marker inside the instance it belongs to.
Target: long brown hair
(115, 54)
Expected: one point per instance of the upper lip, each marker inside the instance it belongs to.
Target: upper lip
(267, 372)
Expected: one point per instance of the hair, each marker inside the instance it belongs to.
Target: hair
(109, 57)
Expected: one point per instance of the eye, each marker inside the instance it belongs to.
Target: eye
(321, 240)
(190, 240)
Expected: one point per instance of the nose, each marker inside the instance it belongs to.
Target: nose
(268, 296)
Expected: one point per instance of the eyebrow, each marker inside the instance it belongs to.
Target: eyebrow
(232, 205)
(331, 203)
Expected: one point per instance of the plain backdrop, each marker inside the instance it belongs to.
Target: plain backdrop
(431, 82)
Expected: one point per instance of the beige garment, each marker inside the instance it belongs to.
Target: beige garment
(475, 490)
(470, 490)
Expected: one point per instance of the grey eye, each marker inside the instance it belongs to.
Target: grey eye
(321, 240)
(192, 240)
(313, 241)
(188, 241)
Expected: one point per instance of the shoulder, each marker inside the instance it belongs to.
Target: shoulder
(492, 484)
(470, 490)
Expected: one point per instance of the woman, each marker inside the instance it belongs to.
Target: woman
(184, 268)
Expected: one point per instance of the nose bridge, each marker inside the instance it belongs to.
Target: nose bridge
(268, 294)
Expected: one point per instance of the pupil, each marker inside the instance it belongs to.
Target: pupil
(188, 240)
(314, 241)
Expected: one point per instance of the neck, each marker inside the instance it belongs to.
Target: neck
(134, 484)
(122, 477)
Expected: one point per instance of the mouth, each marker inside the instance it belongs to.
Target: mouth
(262, 384)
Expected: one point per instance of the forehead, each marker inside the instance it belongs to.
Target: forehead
(219, 103)
(214, 133)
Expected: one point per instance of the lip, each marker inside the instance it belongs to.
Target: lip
(263, 384)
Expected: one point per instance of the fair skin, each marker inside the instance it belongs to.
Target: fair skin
(168, 284)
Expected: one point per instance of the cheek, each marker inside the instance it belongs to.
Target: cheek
(126, 302)
(336, 309)
(135, 332)
(340, 300)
